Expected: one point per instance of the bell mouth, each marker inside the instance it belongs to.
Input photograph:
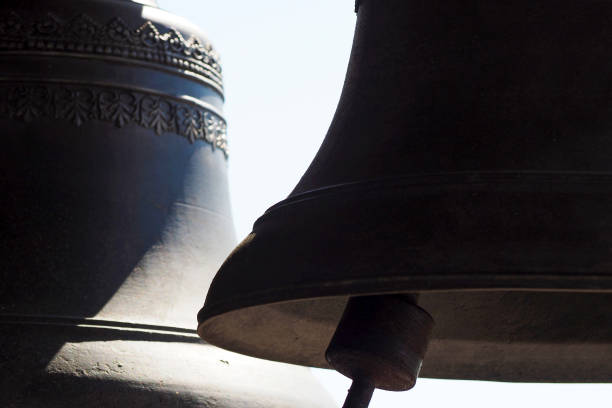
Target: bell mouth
(515, 336)
(515, 269)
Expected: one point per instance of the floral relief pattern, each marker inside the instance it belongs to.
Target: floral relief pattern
(82, 34)
(120, 107)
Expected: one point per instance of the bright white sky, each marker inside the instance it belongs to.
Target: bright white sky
(284, 63)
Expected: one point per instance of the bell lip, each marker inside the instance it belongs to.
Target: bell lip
(211, 318)
(210, 312)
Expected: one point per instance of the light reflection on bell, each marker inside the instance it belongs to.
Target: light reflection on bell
(468, 165)
(115, 214)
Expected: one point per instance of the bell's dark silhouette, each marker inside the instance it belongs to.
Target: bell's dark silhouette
(467, 168)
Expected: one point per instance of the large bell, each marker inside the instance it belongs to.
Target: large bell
(468, 168)
(115, 214)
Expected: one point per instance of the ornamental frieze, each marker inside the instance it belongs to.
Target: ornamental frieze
(82, 34)
(80, 104)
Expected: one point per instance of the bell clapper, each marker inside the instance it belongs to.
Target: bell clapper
(380, 342)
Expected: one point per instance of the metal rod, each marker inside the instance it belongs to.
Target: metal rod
(359, 395)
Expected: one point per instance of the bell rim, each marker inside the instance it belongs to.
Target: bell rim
(293, 258)
(208, 312)
(431, 367)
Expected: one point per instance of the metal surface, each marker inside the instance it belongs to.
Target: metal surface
(115, 214)
(468, 162)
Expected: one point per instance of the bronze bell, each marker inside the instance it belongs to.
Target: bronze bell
(115, 214)
(466, 177)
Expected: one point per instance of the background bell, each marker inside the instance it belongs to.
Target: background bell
(115, 214)
(467, 168)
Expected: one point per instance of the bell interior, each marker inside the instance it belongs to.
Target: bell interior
(502, 335)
